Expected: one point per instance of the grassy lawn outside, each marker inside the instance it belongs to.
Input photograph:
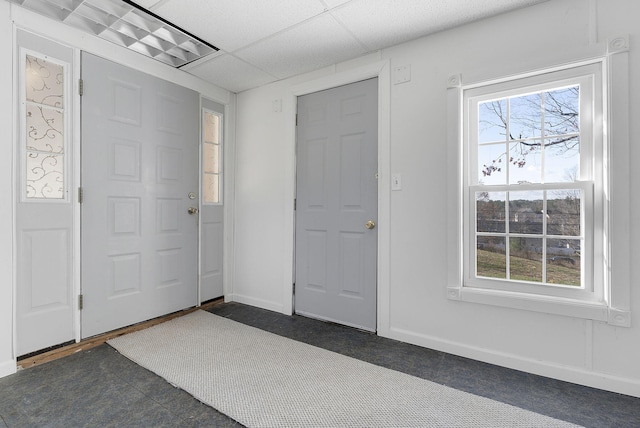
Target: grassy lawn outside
(561, 270)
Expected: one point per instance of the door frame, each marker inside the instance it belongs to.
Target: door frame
(381, 70)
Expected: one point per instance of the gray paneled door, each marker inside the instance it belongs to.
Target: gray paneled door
(140, 140)
(336, 191)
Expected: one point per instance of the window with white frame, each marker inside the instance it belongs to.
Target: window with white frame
(534, 185)
(211, 157)
(45, 137)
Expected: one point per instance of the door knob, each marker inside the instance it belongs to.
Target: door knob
(193, 210)
(370, 224)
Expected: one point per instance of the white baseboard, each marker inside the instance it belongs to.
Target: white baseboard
(252, 301)
(575, 375)
(7, 368)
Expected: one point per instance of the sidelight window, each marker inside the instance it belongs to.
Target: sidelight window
(44, 132)
(212, 157)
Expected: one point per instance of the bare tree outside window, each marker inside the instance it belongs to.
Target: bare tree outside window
(529, 235)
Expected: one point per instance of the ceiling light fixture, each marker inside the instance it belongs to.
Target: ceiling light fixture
(127, 24)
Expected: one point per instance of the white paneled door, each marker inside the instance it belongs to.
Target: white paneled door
(336, 191)
(140, 138)
(44, 202)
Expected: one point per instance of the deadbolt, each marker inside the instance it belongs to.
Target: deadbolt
(370, 224)
(193, 210)
(192, 195)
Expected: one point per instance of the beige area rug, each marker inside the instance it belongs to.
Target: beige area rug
(264, 380)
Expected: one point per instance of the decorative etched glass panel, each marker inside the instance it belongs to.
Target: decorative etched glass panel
(44, 142)
(211, 156)
(44, 82)
(45, 129)
(45, 176)
(211, 188)
(211, 128)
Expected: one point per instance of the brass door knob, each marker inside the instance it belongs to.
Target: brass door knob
(370, 224)
(193, 210)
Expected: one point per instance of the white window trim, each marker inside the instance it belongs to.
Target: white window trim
(612, 305)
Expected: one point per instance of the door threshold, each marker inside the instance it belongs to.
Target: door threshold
(31, 360)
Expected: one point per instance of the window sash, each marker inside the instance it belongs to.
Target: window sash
(587, 77)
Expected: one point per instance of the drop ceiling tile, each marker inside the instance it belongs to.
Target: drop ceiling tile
(230, 73)
(334, 3)
(232, 24)
(314, 44)
(369, 20)
(147, 4)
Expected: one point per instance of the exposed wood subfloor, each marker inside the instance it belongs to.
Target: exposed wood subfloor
(94, 341)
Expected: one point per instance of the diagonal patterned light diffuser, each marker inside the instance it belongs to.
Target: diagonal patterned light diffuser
(127, 24)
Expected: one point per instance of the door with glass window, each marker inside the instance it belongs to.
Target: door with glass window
(140, 196)
(44, 198)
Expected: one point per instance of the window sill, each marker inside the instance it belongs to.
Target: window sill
(593, 310)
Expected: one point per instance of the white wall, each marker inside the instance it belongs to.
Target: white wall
(12, 17)
(415, 307)
(7, 363)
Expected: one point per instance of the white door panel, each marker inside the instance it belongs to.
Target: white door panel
(211, 253)
(336, 193)
(139, 164)
(44, 206)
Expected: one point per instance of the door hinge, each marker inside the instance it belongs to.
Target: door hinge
(80, 195)
(80, 302)
(295, 204)
(294, 288)
(296, 119)
(81, 87)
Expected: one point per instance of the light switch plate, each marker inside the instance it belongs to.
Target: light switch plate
(396, 182)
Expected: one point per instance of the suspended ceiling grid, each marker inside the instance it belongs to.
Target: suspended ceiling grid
(263, 41)
(124, 24)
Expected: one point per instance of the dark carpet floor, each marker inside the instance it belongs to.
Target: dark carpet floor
(101, 388)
